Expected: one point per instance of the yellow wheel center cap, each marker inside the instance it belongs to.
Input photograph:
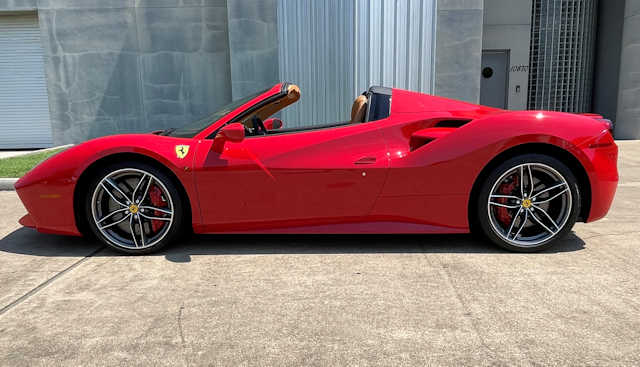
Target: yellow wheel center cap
(526, 203)
(133, 208)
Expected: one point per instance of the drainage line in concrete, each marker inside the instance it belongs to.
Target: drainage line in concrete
(47, 282)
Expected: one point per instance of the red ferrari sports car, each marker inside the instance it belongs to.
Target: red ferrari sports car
(406, 162)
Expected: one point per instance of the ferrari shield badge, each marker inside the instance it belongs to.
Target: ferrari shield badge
(182, 150)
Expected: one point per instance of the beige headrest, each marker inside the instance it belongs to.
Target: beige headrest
(358, 109)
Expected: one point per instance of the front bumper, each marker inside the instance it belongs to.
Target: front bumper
(50, 207)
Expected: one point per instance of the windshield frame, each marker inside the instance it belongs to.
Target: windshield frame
(224, 113)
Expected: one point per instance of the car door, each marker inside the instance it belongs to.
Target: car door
(291, 179)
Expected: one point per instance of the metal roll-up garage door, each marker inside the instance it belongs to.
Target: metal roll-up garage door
(24, 107)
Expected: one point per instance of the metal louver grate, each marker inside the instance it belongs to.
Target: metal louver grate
(562, 55)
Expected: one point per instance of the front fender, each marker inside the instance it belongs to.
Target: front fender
(47, 191)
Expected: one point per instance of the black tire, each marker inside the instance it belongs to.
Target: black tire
(163, 183)
(568, 212)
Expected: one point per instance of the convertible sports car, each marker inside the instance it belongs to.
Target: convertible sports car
(405, 163)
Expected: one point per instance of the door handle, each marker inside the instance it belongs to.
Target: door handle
(366, 160)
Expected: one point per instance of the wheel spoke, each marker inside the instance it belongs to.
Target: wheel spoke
(548, 216)
(522, 181)
(506, 206)
(141, 231)
(112, 196)
(547, 190)
(506, 197)
(553, 197)
(115, 186)
(540, 223)
(530, 180)
(158, 209)
(133, 196)
(155, 218)
(509, 197)
(513, 222)
(524, 222)
(133, 232)
(111, 214)
(117, 222)
(146, 189)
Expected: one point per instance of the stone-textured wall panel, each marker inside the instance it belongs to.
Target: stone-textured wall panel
(17, 5)
(253, 38)
(185, 63)
(632, 7)
(91, 63)
(216, 30)
(91, 30)
(113, 67)
(170, 29)
(628, 117)
(84, 4)
(91, 89)
(458, 53)
(50, 44)
(181, 87)
(178, 3)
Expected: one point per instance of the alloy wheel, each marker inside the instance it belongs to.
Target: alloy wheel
(529, 204)
(132, 208)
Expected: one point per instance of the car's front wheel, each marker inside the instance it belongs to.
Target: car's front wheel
(528, 202)
(133, 207)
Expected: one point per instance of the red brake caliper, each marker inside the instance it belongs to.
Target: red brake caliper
(504, 216)
(156, 199)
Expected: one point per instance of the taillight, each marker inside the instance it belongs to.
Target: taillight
(607, 124)
(605, 139)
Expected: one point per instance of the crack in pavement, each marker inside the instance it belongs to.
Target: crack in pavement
(181, 330)
(42, 285)
(467, 313)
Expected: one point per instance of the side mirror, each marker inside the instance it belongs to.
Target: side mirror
(273, 124)
(233, 132)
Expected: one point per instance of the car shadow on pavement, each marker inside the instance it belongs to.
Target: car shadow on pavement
(27, 241)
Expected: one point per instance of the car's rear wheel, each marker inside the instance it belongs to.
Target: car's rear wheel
(528, 202)
(133, 207)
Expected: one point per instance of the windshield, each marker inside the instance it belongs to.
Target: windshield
(192, 129)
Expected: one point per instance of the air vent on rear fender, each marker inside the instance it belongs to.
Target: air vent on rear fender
(452, 123)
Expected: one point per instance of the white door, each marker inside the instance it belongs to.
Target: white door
(24, 106)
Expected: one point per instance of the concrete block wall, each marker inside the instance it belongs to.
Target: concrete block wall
(459, 49)
(253, 38)
(120, 66)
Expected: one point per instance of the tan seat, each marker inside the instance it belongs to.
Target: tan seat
(358, 110)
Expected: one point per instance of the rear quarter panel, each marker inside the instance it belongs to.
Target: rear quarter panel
(432, 184)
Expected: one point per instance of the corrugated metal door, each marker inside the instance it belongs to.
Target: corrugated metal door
(335, 49)
(24, 107)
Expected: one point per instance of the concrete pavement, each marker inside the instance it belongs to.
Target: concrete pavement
(326, 300)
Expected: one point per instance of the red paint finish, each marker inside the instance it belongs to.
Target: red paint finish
(403, 174)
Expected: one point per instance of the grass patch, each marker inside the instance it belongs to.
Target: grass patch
(18, 166)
